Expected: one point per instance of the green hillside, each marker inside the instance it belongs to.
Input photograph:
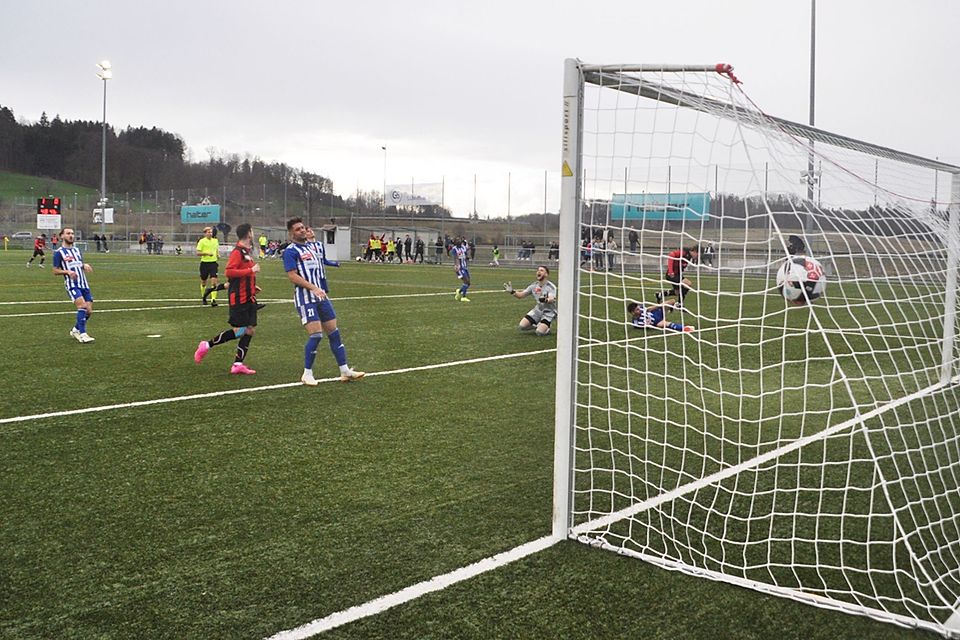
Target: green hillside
(23, 188)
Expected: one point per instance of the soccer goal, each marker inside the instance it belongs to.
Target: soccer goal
(805, 445)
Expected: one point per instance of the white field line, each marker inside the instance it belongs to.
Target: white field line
(283, 385)
(413, 592)
(198, 306)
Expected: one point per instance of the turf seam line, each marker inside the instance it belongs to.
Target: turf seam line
(436, 583)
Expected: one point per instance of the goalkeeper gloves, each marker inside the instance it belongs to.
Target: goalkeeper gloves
(508, 287)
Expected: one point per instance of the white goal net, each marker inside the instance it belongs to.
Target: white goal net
(707, 423)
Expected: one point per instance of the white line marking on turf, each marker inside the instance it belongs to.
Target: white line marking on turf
(436, 583)
(198, 306)
(269, 387)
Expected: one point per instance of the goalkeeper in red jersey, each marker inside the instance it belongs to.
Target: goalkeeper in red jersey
(677, 262)
(242, 290)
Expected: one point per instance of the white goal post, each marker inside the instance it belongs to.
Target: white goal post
(808, 448)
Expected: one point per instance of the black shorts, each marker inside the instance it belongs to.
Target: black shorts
(243, 315)
(37, 252)
(675, 279)
(208, 270)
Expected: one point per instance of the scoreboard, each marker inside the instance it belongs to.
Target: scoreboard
(48, 213)
(48, 206)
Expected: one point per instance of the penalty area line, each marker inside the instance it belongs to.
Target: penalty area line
(436, 583)
(269, 387)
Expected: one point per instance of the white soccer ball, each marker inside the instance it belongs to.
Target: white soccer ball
(801, 279)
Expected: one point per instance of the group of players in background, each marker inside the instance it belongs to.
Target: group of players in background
(305, 262)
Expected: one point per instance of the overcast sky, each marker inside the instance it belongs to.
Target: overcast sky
(454, 89)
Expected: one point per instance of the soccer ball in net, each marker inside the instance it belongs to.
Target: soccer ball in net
(801, 279)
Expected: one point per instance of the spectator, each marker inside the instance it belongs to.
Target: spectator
(407, 243)
(634, 240)
(420, 248)
(707, 257)
(439, 245)
(611, 252)
(473, 249)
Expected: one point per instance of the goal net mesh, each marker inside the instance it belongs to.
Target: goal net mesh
(808, 450)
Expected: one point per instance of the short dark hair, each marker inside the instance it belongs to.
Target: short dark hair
(632, 306)
(544, 267)
(243, 230)
(292, 221)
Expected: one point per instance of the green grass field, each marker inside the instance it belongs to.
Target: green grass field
(242, 515)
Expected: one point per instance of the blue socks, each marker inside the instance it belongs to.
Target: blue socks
(336, 346)
(81, 320)
(463, 289)
(310, 350)
(675, 326)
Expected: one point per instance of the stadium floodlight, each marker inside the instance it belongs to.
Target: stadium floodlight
(104, 72)
(802, 440)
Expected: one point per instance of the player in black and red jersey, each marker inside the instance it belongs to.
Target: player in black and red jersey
(677, 261)
(242, 290)
(39, 244)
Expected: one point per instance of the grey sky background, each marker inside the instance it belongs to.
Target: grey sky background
(455, 89)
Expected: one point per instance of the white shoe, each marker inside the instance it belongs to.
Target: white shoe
(309, 380)
(352, 375)
(75, 333)
(84, 337)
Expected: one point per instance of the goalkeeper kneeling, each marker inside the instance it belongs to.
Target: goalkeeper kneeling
(545, 292)
(654, 317)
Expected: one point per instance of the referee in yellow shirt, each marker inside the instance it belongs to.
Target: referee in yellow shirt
(208, 248)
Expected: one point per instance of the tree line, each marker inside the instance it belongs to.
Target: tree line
(141, 159)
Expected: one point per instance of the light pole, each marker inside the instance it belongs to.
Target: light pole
(383, 209)
(104, 72)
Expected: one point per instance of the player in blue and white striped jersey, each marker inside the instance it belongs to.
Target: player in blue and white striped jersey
(460, 252)
(68, 262)
(321, 251)
(304, 263)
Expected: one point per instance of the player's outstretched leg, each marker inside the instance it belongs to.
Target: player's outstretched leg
(220, 338)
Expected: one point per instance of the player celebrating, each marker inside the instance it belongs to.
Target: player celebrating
(68, 262)
(653, 316)
(242, 276)
(208, 248)
(460, 252)
(39, 244)
(677, 261)
(305, 269)
(542, 315)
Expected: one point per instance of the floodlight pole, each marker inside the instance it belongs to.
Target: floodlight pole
(383, 208)
(105, 73)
